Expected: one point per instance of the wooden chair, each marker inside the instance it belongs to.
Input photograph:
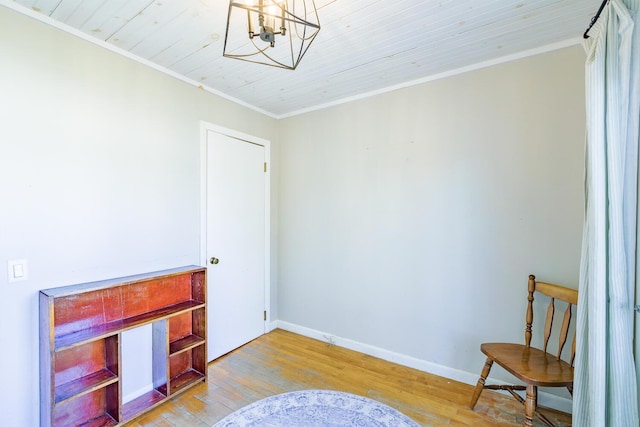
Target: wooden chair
(534, 367)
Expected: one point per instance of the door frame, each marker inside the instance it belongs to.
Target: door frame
(206, 127)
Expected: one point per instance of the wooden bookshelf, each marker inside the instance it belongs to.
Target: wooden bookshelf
(80, 344)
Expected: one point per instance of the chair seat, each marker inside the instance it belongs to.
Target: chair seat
(530, 365)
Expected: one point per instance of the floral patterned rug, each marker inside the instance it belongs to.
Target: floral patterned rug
(316, 408)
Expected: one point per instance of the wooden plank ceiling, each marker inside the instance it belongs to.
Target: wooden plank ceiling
(363, 46)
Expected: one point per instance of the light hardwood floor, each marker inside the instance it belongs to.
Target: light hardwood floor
(281, 361)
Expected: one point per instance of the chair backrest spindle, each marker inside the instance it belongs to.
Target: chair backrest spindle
(527, 331)
(565, 329)
(549, 322)
(554, 292)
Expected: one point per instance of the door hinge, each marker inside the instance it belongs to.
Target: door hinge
(265, 166)
(265, 315)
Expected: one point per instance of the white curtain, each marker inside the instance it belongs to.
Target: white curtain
(605, 389)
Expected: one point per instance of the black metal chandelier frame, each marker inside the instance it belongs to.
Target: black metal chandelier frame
(261, 17)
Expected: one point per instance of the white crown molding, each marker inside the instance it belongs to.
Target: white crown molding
(101, 43)
(68, 29)
(450, 73)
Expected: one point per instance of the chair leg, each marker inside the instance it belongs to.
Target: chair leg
(530, 405)
(480, 385)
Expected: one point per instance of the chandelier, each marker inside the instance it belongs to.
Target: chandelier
(271, 32)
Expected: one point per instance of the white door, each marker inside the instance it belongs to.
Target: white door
(235, 242)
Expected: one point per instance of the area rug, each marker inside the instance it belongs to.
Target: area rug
(316, 408)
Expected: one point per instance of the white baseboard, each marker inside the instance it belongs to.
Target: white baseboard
(544, 399)
(272, 325)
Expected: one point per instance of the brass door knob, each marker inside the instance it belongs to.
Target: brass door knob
(214, 260)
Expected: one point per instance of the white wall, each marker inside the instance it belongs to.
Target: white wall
(410, 221)
(99, 178)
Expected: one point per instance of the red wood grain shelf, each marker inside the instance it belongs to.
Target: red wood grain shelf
(101, 331)
(185, 379)
(101, 421)
(85, 384)
(185, 343)
(142, 403)
(182, 381)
